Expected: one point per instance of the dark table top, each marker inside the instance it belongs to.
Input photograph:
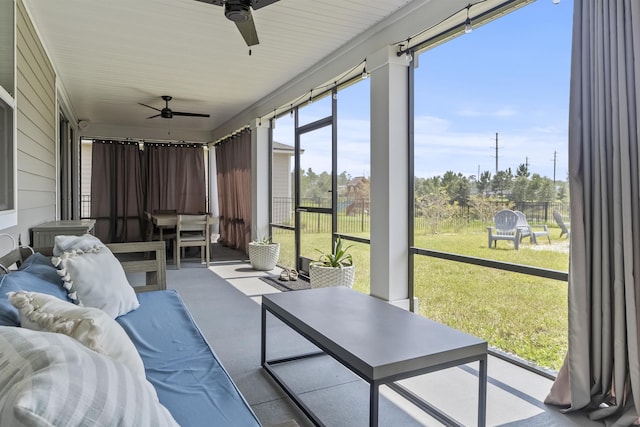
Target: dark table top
(376, 339)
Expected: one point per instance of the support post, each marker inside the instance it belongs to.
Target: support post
(259, 179)
(389, 183)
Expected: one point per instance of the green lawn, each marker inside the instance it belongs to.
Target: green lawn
(517, 313)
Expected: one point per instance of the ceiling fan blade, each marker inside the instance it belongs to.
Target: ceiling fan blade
(257, 4)
(248, 31)
(151, 117)
(149, 106)
(216, 2)
(178, 113)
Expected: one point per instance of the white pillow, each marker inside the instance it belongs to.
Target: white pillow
(96, 279)
(84, 243)
(49, 379)
(90, 326)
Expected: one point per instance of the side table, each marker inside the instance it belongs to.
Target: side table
(42, 236)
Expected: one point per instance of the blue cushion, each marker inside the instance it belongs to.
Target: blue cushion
(190, 380)
(36, 274)
(40, 265)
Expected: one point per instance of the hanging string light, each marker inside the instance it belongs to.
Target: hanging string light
(364, 70)
(467, 24)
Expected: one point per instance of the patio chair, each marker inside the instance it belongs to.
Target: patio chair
(506, 228)
(192, 231)
(152, 233)
(563, 228)
(523, 225)
(526, 230)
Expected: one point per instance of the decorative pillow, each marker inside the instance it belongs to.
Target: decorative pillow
(36, 274)
(84, 243)
(49, 379)
(96, 279)
(91, 326)
(40, 266)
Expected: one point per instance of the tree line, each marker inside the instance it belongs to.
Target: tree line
(504, 186)
(457, 188)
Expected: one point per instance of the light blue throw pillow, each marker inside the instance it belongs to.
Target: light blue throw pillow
(36, 274)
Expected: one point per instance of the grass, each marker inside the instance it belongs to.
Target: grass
(520, 314)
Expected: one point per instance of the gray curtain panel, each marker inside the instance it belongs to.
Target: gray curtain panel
(126, 182)
(601, 373)
(233, 164)
(116, 191)
(175, 178)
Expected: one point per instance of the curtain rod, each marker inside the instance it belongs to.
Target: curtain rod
(143, 141)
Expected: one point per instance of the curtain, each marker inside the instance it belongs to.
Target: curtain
(601, 373)
(233, 164)
(175, 177)
(116, 191)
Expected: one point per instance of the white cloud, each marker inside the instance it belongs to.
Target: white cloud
(503, 112)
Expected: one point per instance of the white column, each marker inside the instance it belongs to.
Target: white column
(214, 206)
(259, 179)
(389, 182)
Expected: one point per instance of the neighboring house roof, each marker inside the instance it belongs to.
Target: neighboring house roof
(279, 147)
(355, 181)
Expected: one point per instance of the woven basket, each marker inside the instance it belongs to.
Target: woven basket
(263, 257)
(321, 277)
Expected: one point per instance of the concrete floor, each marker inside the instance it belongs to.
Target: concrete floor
(225, 302)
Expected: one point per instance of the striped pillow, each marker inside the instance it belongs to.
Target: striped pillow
(50, 379)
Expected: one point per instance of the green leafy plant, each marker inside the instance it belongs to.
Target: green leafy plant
(339, 257)
(266, 240)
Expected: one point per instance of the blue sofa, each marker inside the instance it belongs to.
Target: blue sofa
(187, 375)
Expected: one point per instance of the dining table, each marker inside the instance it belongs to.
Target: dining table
(164, 220)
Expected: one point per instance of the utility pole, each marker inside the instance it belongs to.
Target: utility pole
(555, 159)
(496, 153)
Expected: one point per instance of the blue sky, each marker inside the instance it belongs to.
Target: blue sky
(510, 76)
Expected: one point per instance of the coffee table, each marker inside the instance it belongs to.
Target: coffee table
(377, 341)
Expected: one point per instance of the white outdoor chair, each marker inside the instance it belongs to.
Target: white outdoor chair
(506, 228)
(526, 230)
(192, 231)
(563, 227)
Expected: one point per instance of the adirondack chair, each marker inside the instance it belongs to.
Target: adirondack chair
(558, 218)
(523, 226)
(526, 230)
(506, 228)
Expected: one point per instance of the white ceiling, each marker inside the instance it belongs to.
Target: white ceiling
(112, 55)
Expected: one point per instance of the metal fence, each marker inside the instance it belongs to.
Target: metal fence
(85, 206)
(353, 215)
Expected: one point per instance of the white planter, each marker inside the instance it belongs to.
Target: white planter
(263, 257)
(320, 277)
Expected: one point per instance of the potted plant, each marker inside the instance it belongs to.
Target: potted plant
(264, 253)
(333, 269)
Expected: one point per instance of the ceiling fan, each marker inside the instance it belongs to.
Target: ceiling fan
(239, 11)
(168, 113)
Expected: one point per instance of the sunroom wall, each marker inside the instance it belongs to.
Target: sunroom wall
(36, 132)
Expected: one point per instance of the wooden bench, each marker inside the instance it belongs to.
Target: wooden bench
(130, 255)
